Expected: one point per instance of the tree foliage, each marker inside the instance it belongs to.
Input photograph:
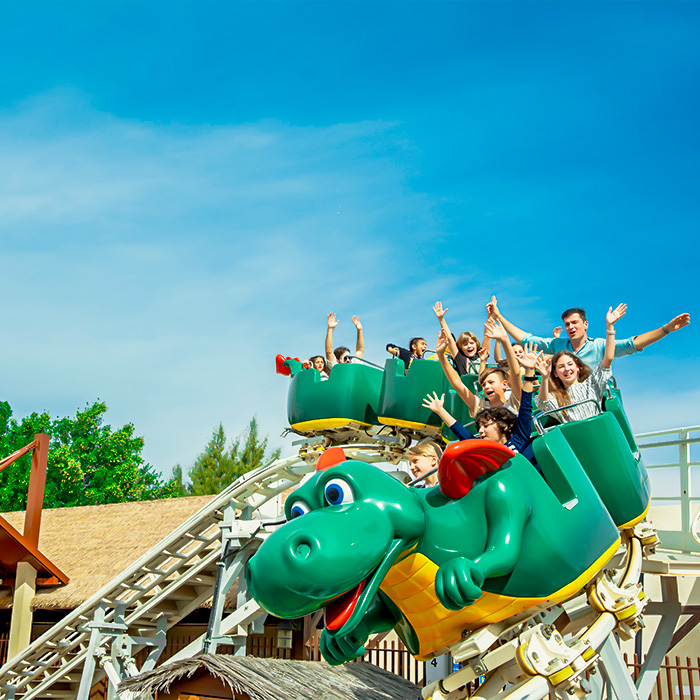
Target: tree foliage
(89, 463)
(218, 466)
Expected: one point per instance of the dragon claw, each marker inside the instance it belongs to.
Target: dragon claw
(458, 583)
(337, 649)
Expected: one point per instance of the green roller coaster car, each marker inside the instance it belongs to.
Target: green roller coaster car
(402, 394)
(362, 395)
(599, 443)
(350, 396)
(494, 539)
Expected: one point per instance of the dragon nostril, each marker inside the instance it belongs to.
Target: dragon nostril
(303, 550)
(302, 547)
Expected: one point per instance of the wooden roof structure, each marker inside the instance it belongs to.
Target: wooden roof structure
(251, 678)
(15, 546)
(93, 544)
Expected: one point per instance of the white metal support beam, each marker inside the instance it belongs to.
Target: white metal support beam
(670, 609)
(93, 646)
(615, 670)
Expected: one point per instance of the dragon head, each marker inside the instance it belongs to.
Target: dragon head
(346, 527)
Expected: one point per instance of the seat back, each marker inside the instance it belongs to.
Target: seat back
(612, 403)
(350, 394)
(402, 393)
(457, 408)
(618, 474)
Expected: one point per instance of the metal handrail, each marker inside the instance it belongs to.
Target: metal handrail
(670, 431)
(688, 538)
(536, 421)
(355, 359)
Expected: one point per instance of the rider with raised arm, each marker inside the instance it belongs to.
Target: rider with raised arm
(571, 380)
(493, 380)
(589, 350)
(468, 354)
(498, 424)
(341, 353)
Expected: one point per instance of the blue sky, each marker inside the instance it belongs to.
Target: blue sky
(187, 189)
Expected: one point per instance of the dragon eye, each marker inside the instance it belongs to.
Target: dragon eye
(338, 491)
(298, 509)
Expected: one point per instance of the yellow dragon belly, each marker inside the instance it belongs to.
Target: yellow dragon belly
(410, 584)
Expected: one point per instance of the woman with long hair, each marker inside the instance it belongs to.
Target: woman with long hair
(569, 380)
(318, 362)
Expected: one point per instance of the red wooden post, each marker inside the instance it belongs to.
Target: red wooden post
(679, 678)
(690, 678)
(37, 482)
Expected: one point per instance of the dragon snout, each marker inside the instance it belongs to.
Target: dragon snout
(303, 547)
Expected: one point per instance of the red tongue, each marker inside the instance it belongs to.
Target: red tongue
(339, 609)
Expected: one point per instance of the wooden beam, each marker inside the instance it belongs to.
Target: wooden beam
(684, 630)
(37, 483)
(22, 615)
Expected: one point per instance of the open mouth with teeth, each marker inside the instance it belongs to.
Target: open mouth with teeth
(343, 612)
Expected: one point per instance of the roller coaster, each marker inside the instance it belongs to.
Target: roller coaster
(522, 579)
(491, 563)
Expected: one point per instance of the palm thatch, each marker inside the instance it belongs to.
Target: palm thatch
(92, 544)
(279, 679)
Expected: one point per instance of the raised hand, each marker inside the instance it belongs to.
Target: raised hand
(557, 331)
(543, 365)
(483, 354)
(439, 311)
(357, 323)
(441, 342)
(492, 307)
(613, 316)
(332, 322)
(494, 329)
(676, 323)
(435, 403)
(529, 358)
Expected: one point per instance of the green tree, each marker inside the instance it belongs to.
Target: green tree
(89, 463)
(177, 484)
(217, 467)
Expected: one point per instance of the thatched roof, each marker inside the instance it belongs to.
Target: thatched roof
(280, 679)
(92, 544)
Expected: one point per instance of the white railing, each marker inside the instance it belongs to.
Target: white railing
(686, 538)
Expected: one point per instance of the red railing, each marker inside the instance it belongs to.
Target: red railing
(676, 681)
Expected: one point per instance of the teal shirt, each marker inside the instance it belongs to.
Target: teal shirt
(591, 352)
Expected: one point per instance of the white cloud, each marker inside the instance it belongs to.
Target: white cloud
(161, 268)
